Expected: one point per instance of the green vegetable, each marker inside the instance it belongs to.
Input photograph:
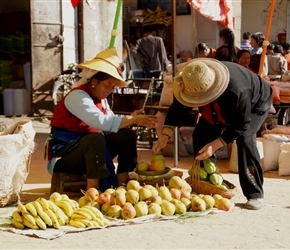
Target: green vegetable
(216, 179)
(202, 174)
(209, 166)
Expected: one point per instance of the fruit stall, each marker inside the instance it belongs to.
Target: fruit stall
(154, 192)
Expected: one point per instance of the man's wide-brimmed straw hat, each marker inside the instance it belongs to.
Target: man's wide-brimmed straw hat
(106, 61)
(200, 81)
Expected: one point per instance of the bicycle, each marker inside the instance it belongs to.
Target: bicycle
(63, 83)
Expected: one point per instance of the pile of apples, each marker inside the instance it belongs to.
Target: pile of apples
(135, 200)
(157, 164)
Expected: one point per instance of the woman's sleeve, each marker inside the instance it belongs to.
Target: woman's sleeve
(80, 104)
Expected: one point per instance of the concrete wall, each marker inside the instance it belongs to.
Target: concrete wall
(98, 20)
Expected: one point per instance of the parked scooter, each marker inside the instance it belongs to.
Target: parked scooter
(63, 83)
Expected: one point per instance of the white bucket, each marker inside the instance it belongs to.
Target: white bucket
(8, 102)
(27, 75)
(21, 102)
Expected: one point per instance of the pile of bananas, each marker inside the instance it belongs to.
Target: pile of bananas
(88, 216)
(67, 205)
(209, 173)
(57, 211)
(39, 214)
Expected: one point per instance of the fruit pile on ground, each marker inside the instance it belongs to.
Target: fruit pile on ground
(135, 200)
(59, 210)
(125, 202)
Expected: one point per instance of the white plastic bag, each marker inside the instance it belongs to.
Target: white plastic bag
(233, 164)
(284, 159)
(16, 146)
(271, 144)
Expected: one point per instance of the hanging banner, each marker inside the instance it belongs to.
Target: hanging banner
(216, 10)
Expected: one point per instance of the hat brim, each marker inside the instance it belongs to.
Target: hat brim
(103, 66)
(220, 84)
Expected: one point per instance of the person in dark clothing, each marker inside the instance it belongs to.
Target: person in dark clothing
(150, 50)
(228, 50)
(203, 50)
(85, 133)
(257, 40)
(233, 102)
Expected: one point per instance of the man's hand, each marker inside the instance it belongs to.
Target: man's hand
(209, 149)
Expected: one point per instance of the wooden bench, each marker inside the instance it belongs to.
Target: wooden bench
(73, 182)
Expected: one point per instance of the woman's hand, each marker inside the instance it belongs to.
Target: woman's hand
(209, 149)
(148, 121)
(137, 112)
(159, 144)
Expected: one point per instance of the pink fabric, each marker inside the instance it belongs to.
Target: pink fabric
(216, 10)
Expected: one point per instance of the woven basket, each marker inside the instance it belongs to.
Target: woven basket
(202, 187)
(8, 199)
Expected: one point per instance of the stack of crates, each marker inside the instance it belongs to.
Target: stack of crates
(5, 73)
(18, 43)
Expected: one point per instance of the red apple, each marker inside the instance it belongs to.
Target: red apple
(128, 211)
(104, 198)
(92, 194)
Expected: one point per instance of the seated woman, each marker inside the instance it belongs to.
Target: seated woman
(85, 133)
(277, 63)
(244, 58)
(203, 50)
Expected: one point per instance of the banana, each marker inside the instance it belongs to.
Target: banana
(44, 216)
(56, 225)
(52, 206)
(73, 203)
(64, 197)
(61, 216)
(53, 218)
(81, 215)
(17, 216)
(44, 203)
(29, 218)
(29, 223)
(100, 222)
(30, 208)
(65, 206)
(22, 208)
(88, 223)
(55, 196)
(17, 224)
(96, 211)
(95, 223)
(39, 222)
(77, 224)
(38, 207)
(90, 212)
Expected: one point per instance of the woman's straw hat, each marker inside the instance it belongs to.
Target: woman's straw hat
(106, 61)
(200, 81)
